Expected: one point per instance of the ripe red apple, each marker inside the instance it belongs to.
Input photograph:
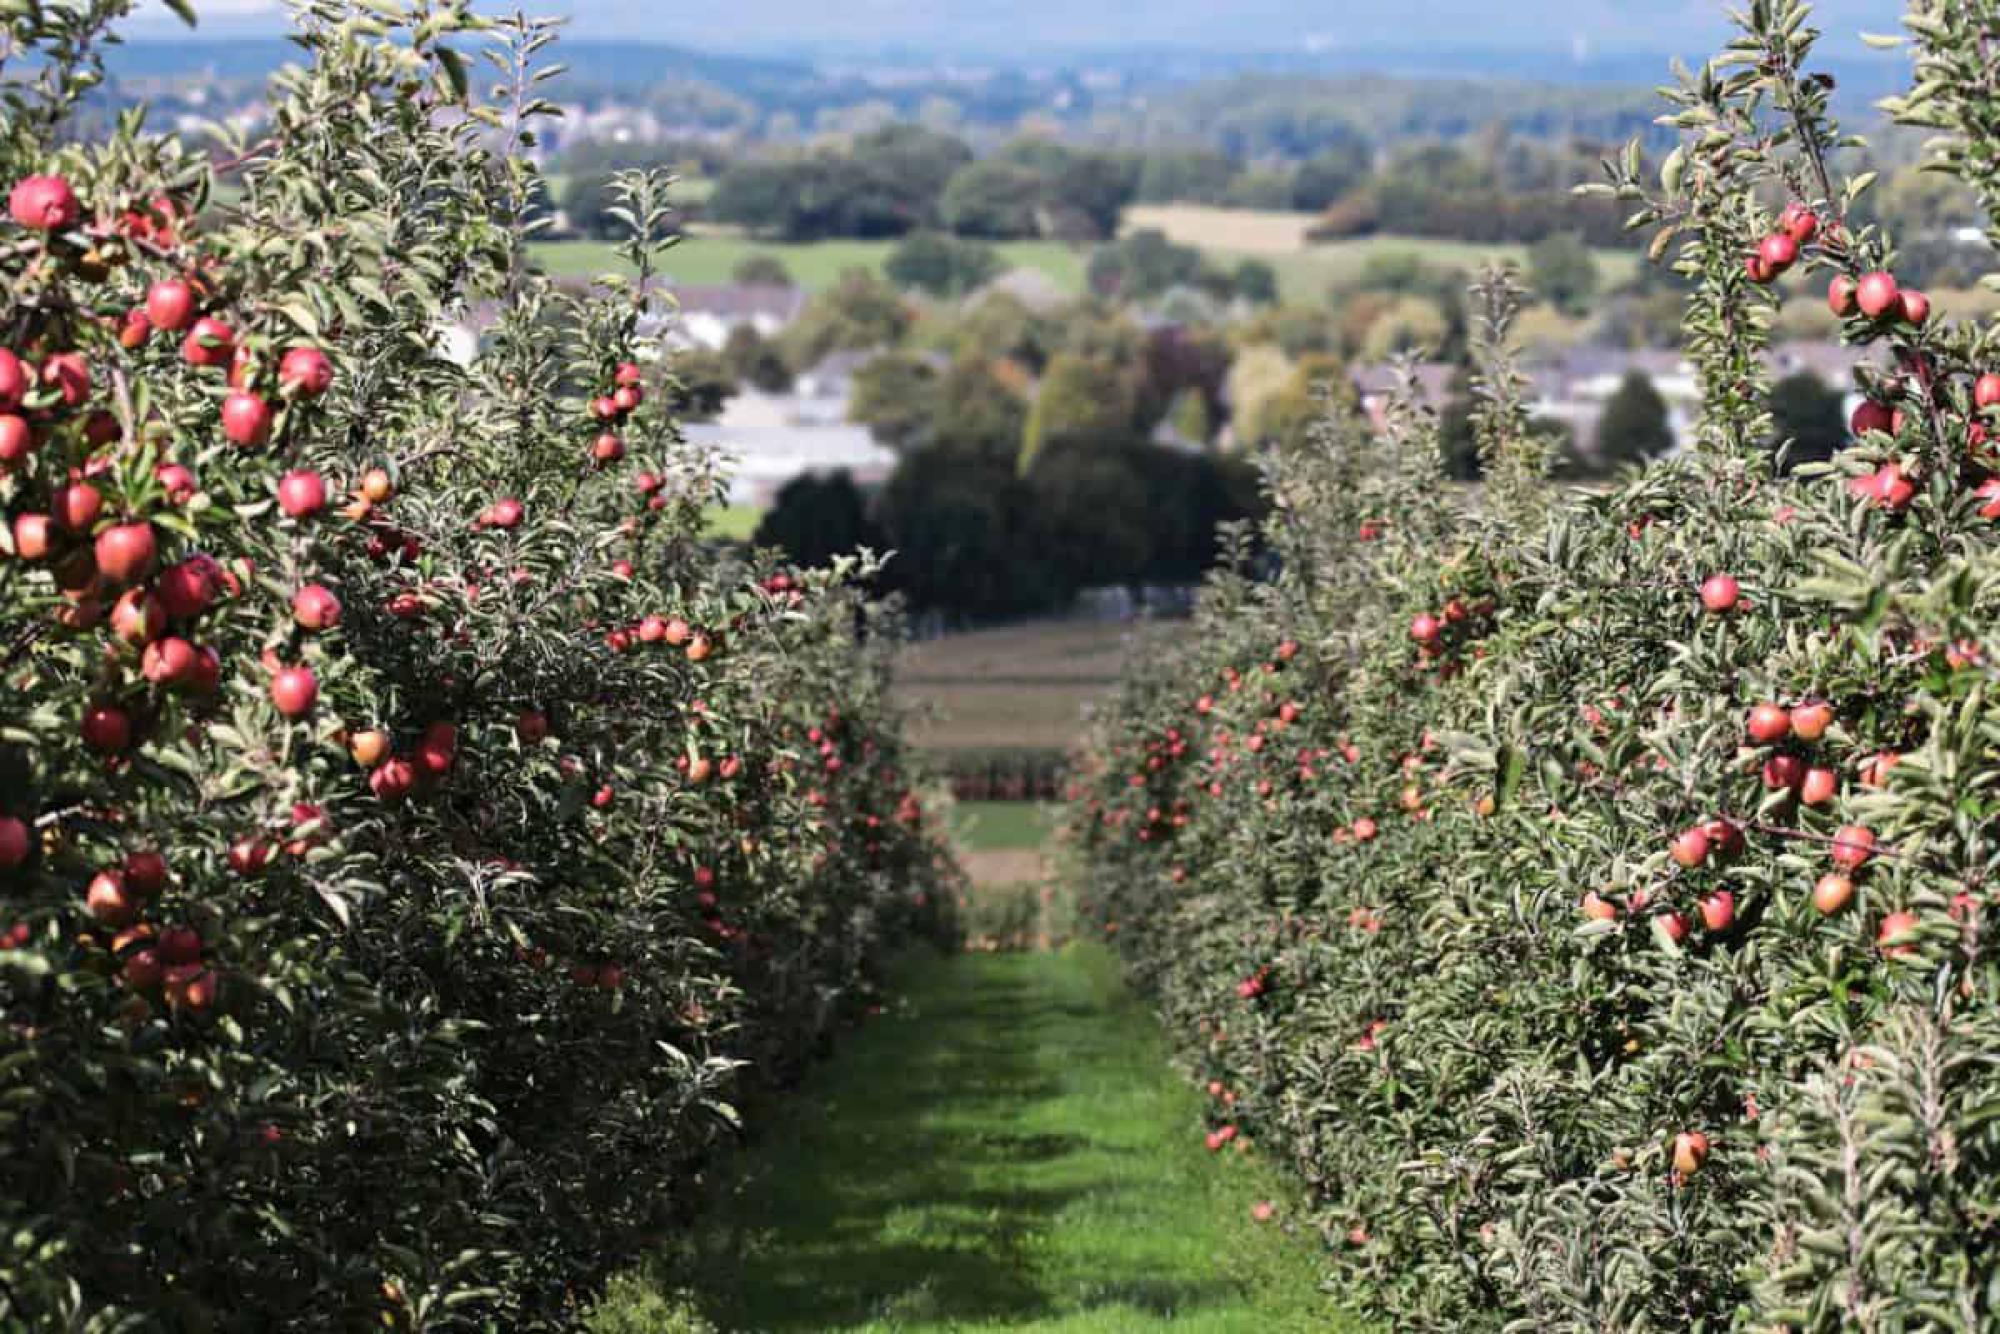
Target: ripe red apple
(109, 900)
(504, 513)
(207, 674)
(143, 970)
(377, 486)
(368, 748)
(68, 373)
(1870, 415)
(209, 342)
(16, 842)
(246, 419)
(1783, 772)
(679, 631)
(168, 661)
(652, 629)
(106, 728)
(1758, 269)
(1364, 830)
(305, 372)
(1690, 1151)
(1598, 909)
(1799, 222)
(250, 856)
(1719, 593)
(315, 607)
(392, 780)
(1819, 787)
(180, 946)
(33, 536)
(187, 588)
(301, 494)
(1425, 629)
(607, 448)
(1853, 845)
(75, 507)
(177, 481)
(1810, 720)
(1893, 935)
(134, 330)
(1718, 910)
(170, 304)
(17, 438)
(1986, 390)
(437, 749)
(294, 691)
(13, 381)
(698, 648)
(627, 373)
(145, 872)
(1832, 893)
(43, 203)
(1769, 724)
(1877, 295)
(125, 552)
(532, 727)
(1914, 307)
(1690, 848)
(1778, 251)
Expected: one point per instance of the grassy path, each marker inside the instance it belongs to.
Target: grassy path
(1005, 1149)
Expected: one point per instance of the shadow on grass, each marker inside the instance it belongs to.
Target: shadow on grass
(1006, 1147)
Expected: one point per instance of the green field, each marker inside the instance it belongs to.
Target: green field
(709, 257)
(1305, 272)
(1006, 1149)
(1020, 686)
(735, 523)
(1002, 826)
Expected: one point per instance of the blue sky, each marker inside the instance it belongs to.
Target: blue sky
(1044, 25)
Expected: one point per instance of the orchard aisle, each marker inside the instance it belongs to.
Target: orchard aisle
(1006, 1148)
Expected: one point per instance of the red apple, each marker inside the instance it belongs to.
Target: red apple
(1690, 1151)
(1769, 724)
(180, 946)
(1986, 390)
(1819, 787)
(504, 513)
(43, 203)
(1778, 251)
(188, 588)
(1810, 720)
(1719, 593)
(1799, 222)
(125, 552)
(1690, 848)
(392, 781)
(1853, 845)
(294, 691)
(13, 381)
(437, 749)
(1425, 629)
(145, 872)
(305, 372)
(109, 900)
(75, 507)
(1783, 772)
(1832, 893)
(246, 419)
(1914, 307)
(168, 661)
(1877, 295)
(170, 304)
(1893, 935)
(301, 494)
(16, 842)
(106, 728)
(1718, 910)
(1870, 415)
(315, 607)
(209, 342)
(17, 438)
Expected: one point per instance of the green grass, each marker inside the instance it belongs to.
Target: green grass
(709, 257)
(735, 523)
(1007, 1148)
(1306, 276)
(995, 826)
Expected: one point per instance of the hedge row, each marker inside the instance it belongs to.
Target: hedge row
(412, 839)
(1592, 897)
